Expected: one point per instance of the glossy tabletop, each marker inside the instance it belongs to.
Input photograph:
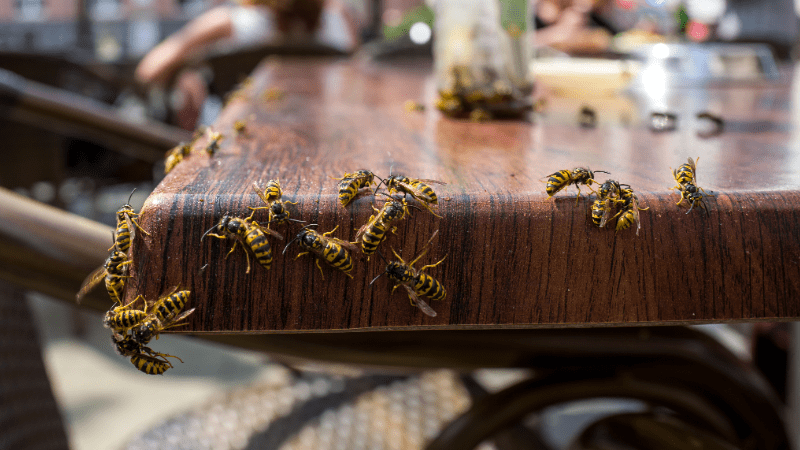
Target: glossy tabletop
(514, 258)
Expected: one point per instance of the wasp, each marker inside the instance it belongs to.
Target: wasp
(144, 358)
(213, 144)
(685, 173)
(609, 189)
(240, 127)
(563, 178)
(165, 313)
(694, 195)
(686, 179)
(176, 155)
(416, 282)
(601, 210)
(374, 231)
(122, 234)
(351, 183)
(272, 198)
(152, 365)
(607, 196)
(419, 189)
(332, 250)
(629, 214)
(250, 234)
(123, 318)
(114, 272)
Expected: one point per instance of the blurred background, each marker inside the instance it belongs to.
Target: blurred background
(85, 123)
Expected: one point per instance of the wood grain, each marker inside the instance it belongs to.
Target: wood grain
(514, 258)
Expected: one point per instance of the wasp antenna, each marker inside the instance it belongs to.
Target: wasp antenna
(206, 233)
(383, 182)
(432, 236)
(297, 220)
(379, 275)
(131, 196)
(602, 171)
(382, 257)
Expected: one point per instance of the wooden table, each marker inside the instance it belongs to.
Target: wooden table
(514, 258)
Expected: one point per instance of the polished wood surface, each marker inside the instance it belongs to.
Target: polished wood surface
(514, 258)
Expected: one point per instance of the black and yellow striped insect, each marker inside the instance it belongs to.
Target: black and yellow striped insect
(629, 214)
(176, 155)
(250, 234)
(375, 230)
(609, 189)
(152, 365)
(607, 197)
(272, 198)
(416, 283)
(563, 178)
(418, 188)
(113, 272)
(122, 234)
(213, 144)
(685, 173)
(240, 128)
(601, 211)
(686, 179)
(123, 318)
(334, 251)
(694, 195)
(144, 358)
(164, 313)
(351, 183)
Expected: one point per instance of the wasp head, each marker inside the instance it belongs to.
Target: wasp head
(398, 272)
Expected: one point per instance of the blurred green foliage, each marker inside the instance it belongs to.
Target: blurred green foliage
(512, 12)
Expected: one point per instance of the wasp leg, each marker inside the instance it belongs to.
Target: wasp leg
(433, 265)
(331, 232)
(291, 203)
(300, 254)
(426, 206)
(232, 249)
(682, 197)
(133, 220)
(320, 268)
(250, 217)
(247, 257)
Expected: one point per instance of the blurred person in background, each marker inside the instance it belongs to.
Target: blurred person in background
(333, 23)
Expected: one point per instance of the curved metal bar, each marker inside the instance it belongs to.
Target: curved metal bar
(496, 412)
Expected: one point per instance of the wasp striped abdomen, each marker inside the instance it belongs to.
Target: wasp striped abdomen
(336, 255)
(557, 182)
(125, 319)
(685, 173)
(149, 364)
(257, 241)
(116, 272)
(168, 308)
(334, 251)
(351, 183)
(427, 286)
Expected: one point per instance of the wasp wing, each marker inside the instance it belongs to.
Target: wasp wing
(418, 302)
(183, 315)
(260, 194)
(606, 213)
(424, 180)
(90, 282)
(348, 245)
(266, 230)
